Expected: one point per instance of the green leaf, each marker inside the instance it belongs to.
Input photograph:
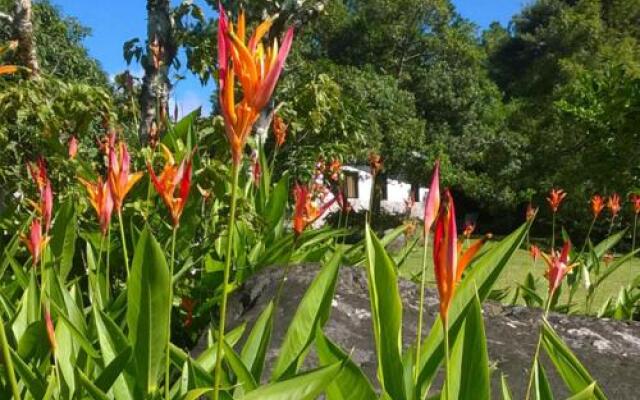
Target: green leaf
(112, 371)
(148, 310)
(541, 386)
(245, 379)
(313, 310)
(483, 273)
(587, 394)
(572, 372)
(277, 204)
(386, 315)
(111, 340)
(255, 348)
(614, 266)
(306, 386)
(77, 335)
(33, 383)
(63, 237)
(93, 390)
(351, 383)
(470, 354)
(506, 390)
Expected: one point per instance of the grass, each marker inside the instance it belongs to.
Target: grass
(518, 268)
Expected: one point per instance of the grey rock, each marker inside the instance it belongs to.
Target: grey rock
(609, 349)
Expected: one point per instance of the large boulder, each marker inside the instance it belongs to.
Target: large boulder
(609, 349)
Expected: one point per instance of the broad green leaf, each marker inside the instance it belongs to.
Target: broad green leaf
(573, 373)
(306, 386)
(245, 379)
(313, 310)
(351, 383)
(63, 237)
(470, 354)
(541, 386)
(148, 310)
(614, 266)
(66, 353)
(255, 348)
(116, 367)
(93, 390)
(587, 394)
(386, 315)
(75, 332)
(506, 390)
(111, 340)
(277, 204)
(483, 273)
(30, 379)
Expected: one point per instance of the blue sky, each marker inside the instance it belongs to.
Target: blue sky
(115, 21)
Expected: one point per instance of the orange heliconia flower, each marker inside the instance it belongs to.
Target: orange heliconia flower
(51, 331)
(279, 130)
(45, 206)
(100, 198)
(306, 211)
(36, 241)
(531, 212)
(188, 305)
(448, 268)
(432, 200)
(172, 177)
(120, 179)
(555, 198)
(73, 147)
(8, 69)
(376, 163)
(557, 266)
(468, 229)
(613, 204)
(635, 201)
(534, 252)
(334, 169)
(257, 68)
(597, 205)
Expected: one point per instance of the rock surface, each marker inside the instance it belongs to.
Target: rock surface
(609, 349)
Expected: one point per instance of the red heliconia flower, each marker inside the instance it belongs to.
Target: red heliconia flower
(607, 258)
(306, 211)
(279, 130)
(334, 169)
(448, 267)
(555, 198)
(172, 177)
(531, 212)
(51, 331)
(45, 206)
(597, 205)
(376, 163)
(120, 179)
(557, 266)
(468, 229)
(432, 200)
(635, 201)
(100, 198)
(188, 306)
(256, 170)
(258, 69)
(36, 241)
(73, 147)
(534, 251)
(613, 204)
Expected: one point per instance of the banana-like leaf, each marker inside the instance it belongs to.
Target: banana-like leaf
(93, 390)
(81, 339)
(573, 373)
(245, 379)
(351, 383)
(112, 371)
(313, 310)
(306, 386)
(614, 266)
(255, 348)
(30, 379)
(63, 237)
(386, 315)
(506, 390)
(484, 272)
(148, 310)
(541, 386)
(587, 394)
(470, 354)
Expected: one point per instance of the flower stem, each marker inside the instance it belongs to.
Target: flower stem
(107, 285)
(553, 232)
(235, 172)
(447, 375)
(537, 353)
(124, 243)
(635, 226)
(421, 309)
(167, 358)
(8, 363)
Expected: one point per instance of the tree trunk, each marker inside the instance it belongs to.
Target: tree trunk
(23, 30)
(156, 86)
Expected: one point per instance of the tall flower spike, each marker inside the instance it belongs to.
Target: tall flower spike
(635, 201)
(100, 198)
(258, 69)
(432, 201)
(172, 177)
(41, 179)
(597, 205)
(555, 199)
(36, 241)
(445, 253)
(613, 204)
(120, 180)
(306, 211)
(279, 130)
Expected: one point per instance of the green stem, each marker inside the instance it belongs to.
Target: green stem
(635, 225)
(124, 243)
(98, 287)
(553, 232)
(167, 358)
(447, 375)
(8, 363)
(537, 353)
(371, 197)
(107, 285)
(584, 245)
(235, 172)
(421, 309)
